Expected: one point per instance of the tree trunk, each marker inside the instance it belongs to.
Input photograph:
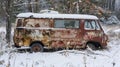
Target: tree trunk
(29, 6)
(8, 30)
(36, 6)
(8, 23)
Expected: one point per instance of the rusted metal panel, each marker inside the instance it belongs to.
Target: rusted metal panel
(31, 29)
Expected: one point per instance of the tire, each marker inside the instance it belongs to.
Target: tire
(36, 47)
(91, 46)
(16, 46)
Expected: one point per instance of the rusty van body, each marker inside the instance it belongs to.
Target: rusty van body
(39, 31)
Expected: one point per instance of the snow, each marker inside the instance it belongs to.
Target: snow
(117, 31)
(47, 15)
(2, 29)
(111, 20)
(109, 57)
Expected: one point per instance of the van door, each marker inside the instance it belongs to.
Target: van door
(92, 31)
(66, 32)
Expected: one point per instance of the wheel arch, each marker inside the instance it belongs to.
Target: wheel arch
(36, 42)
(97, 44)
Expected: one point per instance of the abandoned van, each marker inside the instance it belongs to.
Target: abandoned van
(52, 31)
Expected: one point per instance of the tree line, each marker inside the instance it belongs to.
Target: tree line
(10, 8)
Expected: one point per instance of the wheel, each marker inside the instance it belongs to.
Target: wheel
(91, 46)
(16, 46)
(36, 47)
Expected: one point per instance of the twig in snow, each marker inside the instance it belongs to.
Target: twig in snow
(84, 58)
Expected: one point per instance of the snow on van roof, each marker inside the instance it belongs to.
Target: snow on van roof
(47, 15)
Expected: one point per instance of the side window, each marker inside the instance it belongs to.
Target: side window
(88, 25)
(97, 26)
(91, 25)
(66, 24)
(32, 22)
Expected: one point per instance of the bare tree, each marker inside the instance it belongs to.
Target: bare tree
(29, 6)
(36, 6)
(7, 9)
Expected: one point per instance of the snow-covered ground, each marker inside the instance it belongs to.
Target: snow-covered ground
(109, 57)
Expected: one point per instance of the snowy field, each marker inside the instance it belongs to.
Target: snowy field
(109, 57)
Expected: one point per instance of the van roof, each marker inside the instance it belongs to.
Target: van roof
(63, 16)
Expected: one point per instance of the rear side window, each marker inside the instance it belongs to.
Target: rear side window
(91, 25)
(32, 22)
(66, 24)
